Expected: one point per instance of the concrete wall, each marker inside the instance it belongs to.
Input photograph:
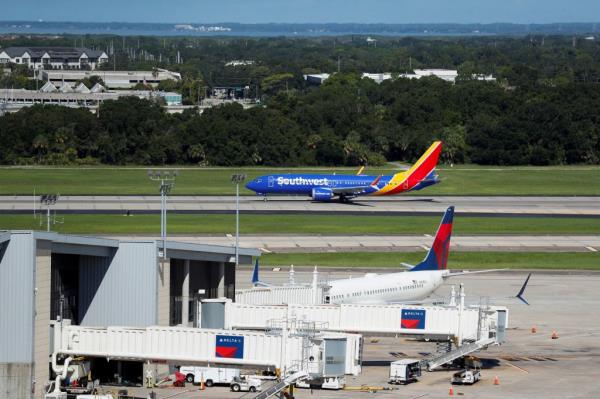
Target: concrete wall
(43, 265)
(164, 292)
(14, 378)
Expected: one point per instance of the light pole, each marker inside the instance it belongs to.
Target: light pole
(236, 179)
(167, 180)
(48, 199)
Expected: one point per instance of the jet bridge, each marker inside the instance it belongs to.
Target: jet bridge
(446, 322)
(290, 351)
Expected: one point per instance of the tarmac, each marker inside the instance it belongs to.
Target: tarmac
(529, 365)
(396, 243)
(473, 205)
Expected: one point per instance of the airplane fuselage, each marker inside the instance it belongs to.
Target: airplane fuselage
(311, 184)
(303, 184)
(386, 288)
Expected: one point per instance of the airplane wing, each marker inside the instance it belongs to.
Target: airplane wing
(355, 190)
(441, 300)
(474, 272)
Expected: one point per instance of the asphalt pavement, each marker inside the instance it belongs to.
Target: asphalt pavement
(396, 243)
(466, 205)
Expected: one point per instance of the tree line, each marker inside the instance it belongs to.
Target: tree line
(346, 121)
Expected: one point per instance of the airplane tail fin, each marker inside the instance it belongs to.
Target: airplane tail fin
(255, 279)
(424, 165)
(420, 175)
(437, 257)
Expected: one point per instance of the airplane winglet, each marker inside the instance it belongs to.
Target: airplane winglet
(522, 291)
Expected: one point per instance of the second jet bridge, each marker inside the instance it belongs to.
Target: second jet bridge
(456, 322)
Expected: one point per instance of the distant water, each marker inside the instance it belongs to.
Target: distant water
(289, 30)
(141, 30)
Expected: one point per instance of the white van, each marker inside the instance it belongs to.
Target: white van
(210, 375)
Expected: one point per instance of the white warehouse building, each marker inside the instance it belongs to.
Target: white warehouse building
(111, 79)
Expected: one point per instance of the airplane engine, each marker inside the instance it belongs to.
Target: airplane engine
(322, 194)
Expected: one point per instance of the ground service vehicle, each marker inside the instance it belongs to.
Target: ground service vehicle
(210, 375)
(467, 377)
(404, 371)
(245, 384)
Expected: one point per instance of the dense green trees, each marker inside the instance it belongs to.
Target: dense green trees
(346, 121)
(543, 110)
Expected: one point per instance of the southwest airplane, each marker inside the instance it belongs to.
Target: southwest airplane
(417, 284)
(326, 187)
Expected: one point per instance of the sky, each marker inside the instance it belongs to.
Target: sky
(298, 11)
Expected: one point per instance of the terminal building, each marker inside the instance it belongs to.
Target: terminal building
(53, 57)
(96, 282)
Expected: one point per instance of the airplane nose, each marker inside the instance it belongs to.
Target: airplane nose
(251, 185)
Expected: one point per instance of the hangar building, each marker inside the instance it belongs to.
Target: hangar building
(96, 282)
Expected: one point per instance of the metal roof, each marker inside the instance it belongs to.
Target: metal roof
(216, 249)
(100, 246)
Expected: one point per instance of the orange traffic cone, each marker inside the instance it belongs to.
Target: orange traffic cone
(533, 330)
(554, 335)
(202, 386)
(496, 380)
(451, 391)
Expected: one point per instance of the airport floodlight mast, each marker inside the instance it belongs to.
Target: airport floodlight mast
(167, 181)
(236, 179)
(48, 199)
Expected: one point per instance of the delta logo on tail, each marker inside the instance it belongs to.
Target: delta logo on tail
(437, 257)
(413, 319)
(325, 187)
(229, 346)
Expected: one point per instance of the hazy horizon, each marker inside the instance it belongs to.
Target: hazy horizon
(308, 11)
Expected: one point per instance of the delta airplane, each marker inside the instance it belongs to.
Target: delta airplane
(416, 284)
(323, 187)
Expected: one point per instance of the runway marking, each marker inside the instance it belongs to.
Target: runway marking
(265, 250)
(425, 247)
(591, 249)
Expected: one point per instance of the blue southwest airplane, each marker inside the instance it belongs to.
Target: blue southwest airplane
(323, 187)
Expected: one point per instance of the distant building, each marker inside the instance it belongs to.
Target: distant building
(53, 57)
(377, 77)
(236, 63)
(317, 78)
(448, 75)
(111, 79)
(80, 96)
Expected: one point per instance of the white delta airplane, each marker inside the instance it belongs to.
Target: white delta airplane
(417, 284)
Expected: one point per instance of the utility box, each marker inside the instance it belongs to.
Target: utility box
(404, 371)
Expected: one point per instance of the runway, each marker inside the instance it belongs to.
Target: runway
(466, 205)
(396, 243)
